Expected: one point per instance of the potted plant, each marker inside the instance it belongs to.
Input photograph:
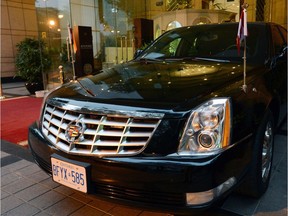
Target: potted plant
(32, 60)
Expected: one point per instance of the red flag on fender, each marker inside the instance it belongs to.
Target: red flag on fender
(242, 29)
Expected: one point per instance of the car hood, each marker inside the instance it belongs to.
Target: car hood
(165, 85)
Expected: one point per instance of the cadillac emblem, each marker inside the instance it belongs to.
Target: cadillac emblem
(75, 130)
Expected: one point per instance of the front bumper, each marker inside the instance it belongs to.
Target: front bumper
(172, 184)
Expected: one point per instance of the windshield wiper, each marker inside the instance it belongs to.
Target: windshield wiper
(164, 59)
(150, 59)
(211, 59)
(86, 89)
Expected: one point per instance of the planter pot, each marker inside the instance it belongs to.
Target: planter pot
(33, 87)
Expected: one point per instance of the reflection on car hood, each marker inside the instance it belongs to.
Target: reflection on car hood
(164, 85)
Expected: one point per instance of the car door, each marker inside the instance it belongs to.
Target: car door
(279, 64)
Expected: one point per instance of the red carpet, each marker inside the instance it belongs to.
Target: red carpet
(16, 116)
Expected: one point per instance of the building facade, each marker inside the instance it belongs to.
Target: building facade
(18, 21)
(118, 27)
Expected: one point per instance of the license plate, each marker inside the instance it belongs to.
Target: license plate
(69, 174)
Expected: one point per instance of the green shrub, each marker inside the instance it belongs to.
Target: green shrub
(32, 59)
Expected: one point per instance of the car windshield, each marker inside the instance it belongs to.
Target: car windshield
(206, 42)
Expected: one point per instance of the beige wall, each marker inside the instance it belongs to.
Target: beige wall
(189, 17)
(18, 20)
(277, 9)
(279, 12)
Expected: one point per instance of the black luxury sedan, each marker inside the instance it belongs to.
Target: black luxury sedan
(176, 129)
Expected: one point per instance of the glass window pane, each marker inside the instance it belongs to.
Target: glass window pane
(53, 16)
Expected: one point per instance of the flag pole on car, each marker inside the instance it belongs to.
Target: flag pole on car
(241, 38)
(71, 53)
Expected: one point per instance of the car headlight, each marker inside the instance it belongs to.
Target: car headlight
(207, 129)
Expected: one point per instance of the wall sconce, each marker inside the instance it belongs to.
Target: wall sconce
(51, 23)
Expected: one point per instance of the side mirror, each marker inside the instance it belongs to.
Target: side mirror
(283, 51)
(280, 56)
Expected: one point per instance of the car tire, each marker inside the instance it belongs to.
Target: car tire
(258, 177)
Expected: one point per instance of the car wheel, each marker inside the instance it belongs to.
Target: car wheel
(257, 180)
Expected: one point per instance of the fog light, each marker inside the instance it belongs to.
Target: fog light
(207, 196)
(199, 198)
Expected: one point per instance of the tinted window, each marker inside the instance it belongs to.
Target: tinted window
(206, 41)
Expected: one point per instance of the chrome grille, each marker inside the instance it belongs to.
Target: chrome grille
(104, 134)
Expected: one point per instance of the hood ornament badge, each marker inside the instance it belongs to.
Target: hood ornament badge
(75, 130)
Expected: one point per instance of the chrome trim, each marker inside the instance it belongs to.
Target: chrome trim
(267, 151)
(108, 133)
(90, 107)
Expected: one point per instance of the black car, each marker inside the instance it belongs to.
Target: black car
(176, 129)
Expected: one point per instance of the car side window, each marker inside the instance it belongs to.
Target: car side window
(278, 39)
(170, 49)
